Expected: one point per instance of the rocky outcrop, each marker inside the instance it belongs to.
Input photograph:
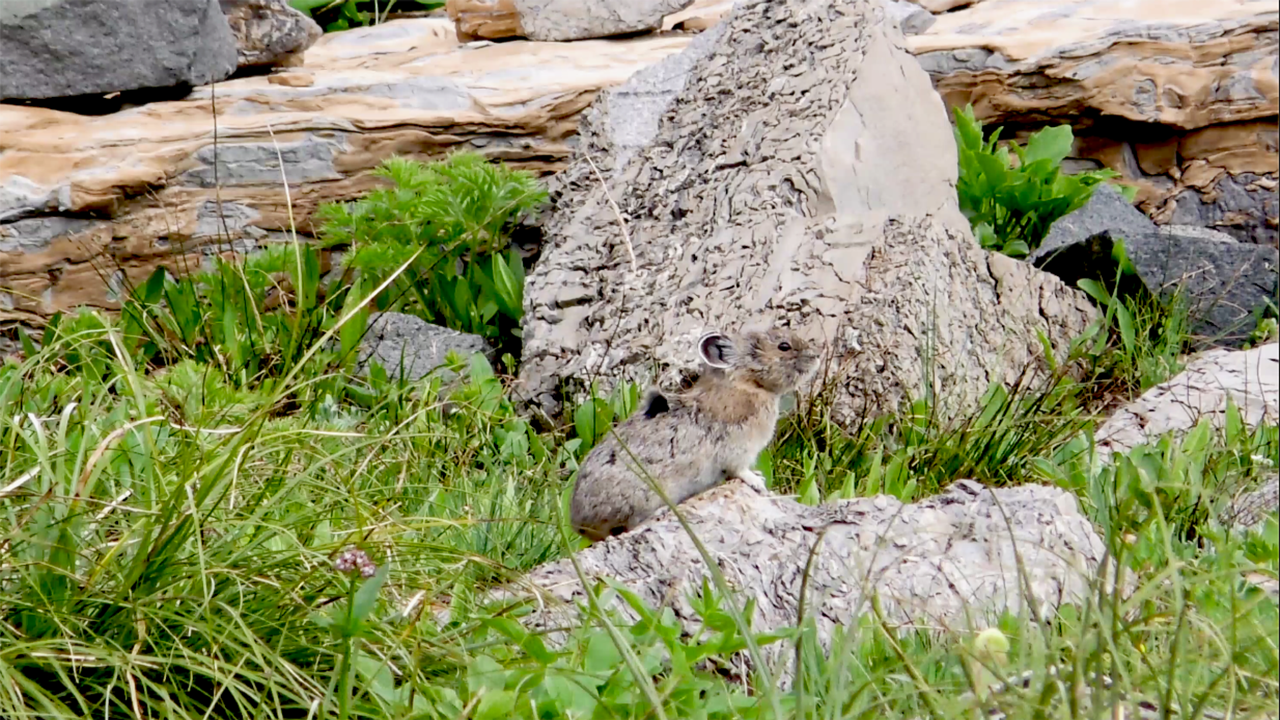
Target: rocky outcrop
(63, 48)
(269, 33)
(577, 20)
(813, 185)
(89, 204)
(1183, 105)
(955, 560)
(102, 199)
(1249, 379)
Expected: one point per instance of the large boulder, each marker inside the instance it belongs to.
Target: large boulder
(802, 171)
(63, 48)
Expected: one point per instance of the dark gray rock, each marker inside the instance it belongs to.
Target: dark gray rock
(1244, 206)
(63, 48)
(1107, 210)
(269, 32)
(411, 348)
(1224, 284)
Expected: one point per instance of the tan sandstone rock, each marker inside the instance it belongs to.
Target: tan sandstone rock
(812, 184)
(1179, 96)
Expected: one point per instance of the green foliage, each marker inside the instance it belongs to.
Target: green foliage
(455, 215)
(1138, 341)
(182, 490)
(337, 15)
(1012, 205)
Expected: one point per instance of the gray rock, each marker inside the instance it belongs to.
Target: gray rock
(911, 18)
(269, 32)
(798, 168)
(1224, 284)
(1107, 210)
(412, 348)
(1197, 232)
(63, 48)
(561, 20)
(955, 560)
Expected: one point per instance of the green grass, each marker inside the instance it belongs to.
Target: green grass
(169, 540)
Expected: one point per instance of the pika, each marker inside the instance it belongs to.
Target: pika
(691, 441)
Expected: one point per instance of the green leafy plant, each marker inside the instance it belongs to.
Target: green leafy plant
(1012, 205)
(457, 215)
(337, 15)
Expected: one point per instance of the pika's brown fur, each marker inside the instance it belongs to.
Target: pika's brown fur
(692, 441)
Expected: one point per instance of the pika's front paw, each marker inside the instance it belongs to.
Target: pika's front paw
(755, 481)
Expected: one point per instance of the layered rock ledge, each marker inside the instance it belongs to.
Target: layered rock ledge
(1179, 96)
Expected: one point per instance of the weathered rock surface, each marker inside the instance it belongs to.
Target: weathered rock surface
(803, 173)
(61, 48)
(1248, 378)
(558, 20)
(576, 20)
(411, 348)
(269, 32)
(955, 560)
(911, 18)
(1106, 211)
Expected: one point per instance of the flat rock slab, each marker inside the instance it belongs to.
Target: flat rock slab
(955, 560)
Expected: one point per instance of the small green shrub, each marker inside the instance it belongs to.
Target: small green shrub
(456, 215)
(337, 15)
(1011, 207)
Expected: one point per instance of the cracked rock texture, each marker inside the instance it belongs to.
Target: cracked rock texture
(1248, 378)
(802, 171)
(269, 32)
(1181, 98)
(952, 560)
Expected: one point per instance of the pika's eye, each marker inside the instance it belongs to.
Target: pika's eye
(784, 346)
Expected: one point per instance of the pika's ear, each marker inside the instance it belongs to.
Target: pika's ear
(715, 350)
